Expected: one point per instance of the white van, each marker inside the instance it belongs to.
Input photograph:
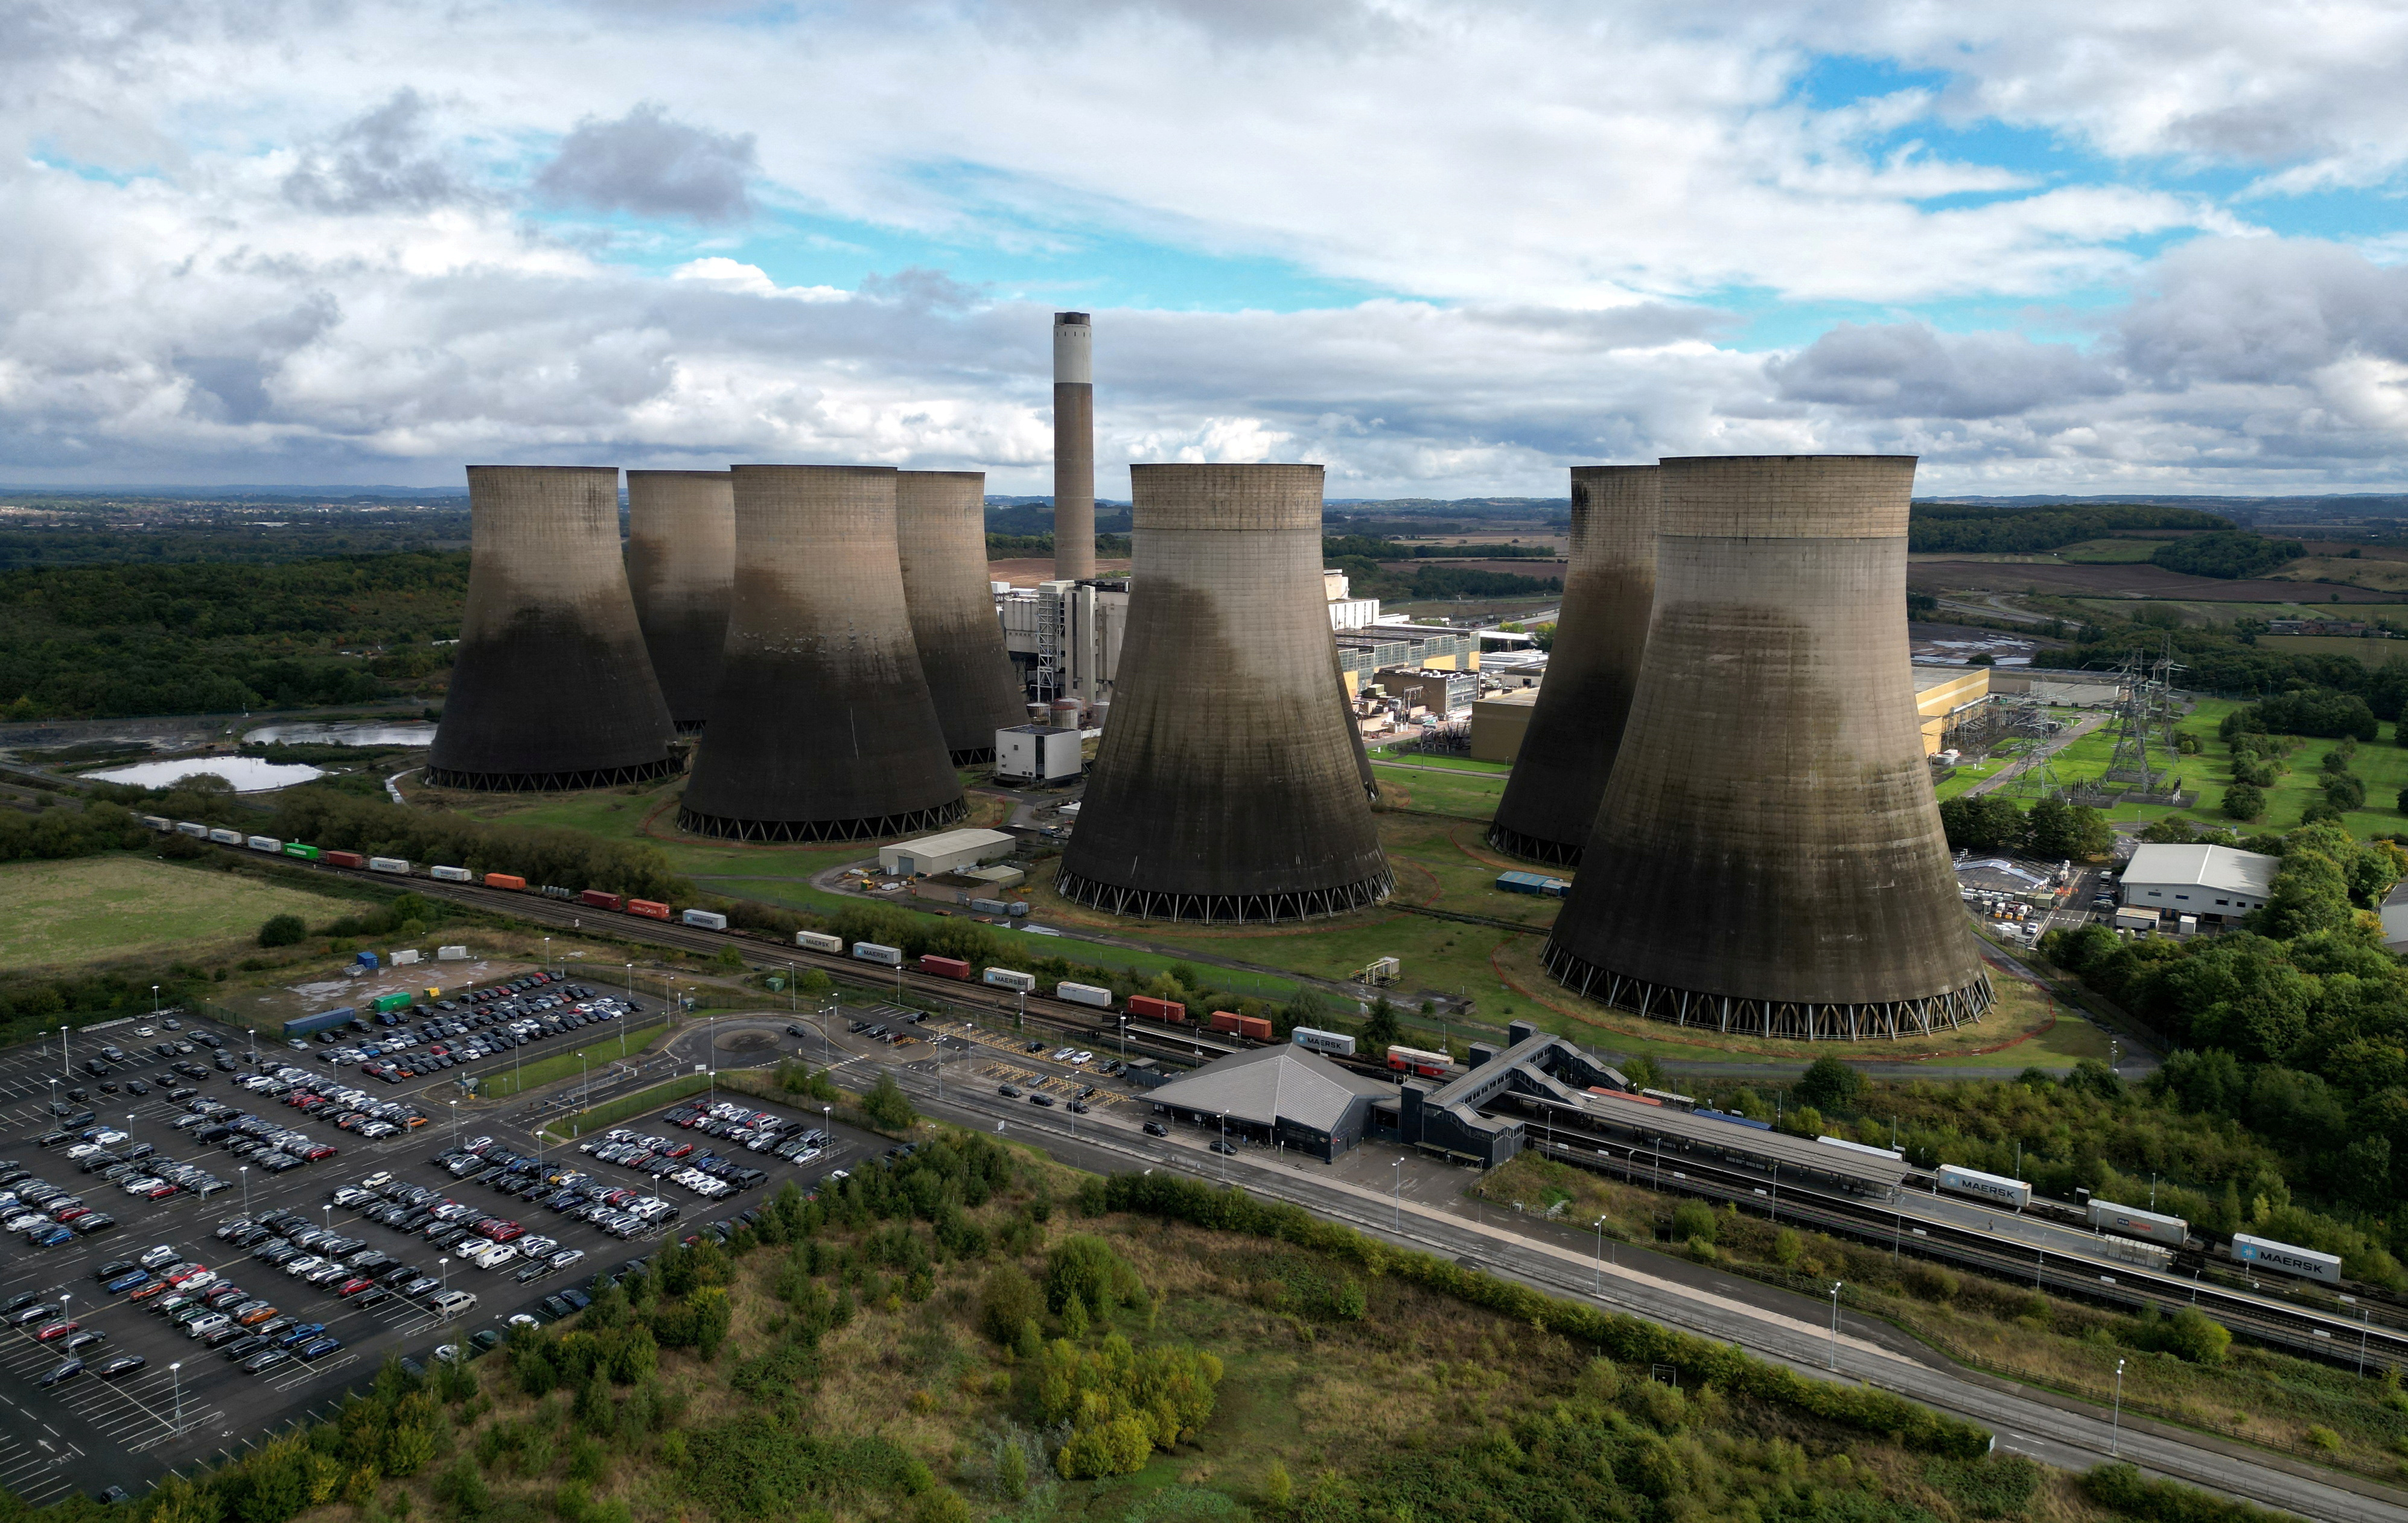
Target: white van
(451, 1302)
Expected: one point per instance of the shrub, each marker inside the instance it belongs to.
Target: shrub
(1828, 1085)
(283, 930)
(1085, 1268)
(2244, 801)
(1008, 1298)
(1693, 1221)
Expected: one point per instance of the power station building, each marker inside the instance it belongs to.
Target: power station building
(823, 728)
(940, 530)
(1576, 723)
(1767, 857)
(681, 568)
(553, 687)
(1228, 785)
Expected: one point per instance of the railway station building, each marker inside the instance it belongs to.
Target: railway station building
(1281, 1095)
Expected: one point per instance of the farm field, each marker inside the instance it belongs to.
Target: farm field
(2380, 575)
(2141, 581)
(2202, 612)
(2114, 552)
(2373, 652)
(98, 909)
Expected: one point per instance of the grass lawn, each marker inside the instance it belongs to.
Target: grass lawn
(98, 909)
(1449, 763)
(2373, 652)
(1969, 773)
(1444, 792)
(2201, 611)
(639, 1040)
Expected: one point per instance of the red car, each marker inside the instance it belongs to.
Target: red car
(57, 1329)
(72, 1214)
(159, 1192)
(177, 1273)
(316, 1151)
(146, 1290)
(353, 1286)
(502, 1231)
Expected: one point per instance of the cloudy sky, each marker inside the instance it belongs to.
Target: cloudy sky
(1445, 249)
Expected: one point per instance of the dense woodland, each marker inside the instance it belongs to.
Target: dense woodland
(1941, 526)
(2227, 555)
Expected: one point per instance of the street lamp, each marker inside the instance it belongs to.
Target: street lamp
(1835, 1324)
(2116, 1424)
(244, 1169)
(1396, 1209)
(176, 1370)
(1600, 1225)
(154, 1001)
(456, 1122)
(547, 954)
(443, 1267)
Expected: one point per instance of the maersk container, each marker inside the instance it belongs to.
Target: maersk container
(1084, 994)
(266, 843)
(226, 838)
(1995, 1188)
(819, 942)
(2133, 1222)
(871, 952)
(2265, 1253)
(453, 875)
(707, 919)
(1336, 1044)
(389, 864)
(1009, 978)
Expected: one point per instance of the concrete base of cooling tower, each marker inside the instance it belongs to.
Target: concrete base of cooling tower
(1552, 853)
(1226, 908)
(567, 782)
(870, 829)
(1801, 1020)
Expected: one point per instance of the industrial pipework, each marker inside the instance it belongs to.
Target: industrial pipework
(553, 687)
(1767, 857)
(1225, 787)
(681, 566)
(940, 527)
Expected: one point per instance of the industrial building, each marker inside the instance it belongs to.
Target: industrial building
(1944, 697)
(1432, 647)
(682, 570)
(1435, 690)
(1228, 784)
(1576, 724)
(1767, 857)
(941, 529)
(1039, 753)
(553, 687)
(823, 728)
(1501, 721)
(1074, 447)
(951, 852)
(1064, 639)
(1281, 1095)
(2218, 884)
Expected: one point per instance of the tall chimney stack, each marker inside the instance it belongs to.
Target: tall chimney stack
(1074, 447)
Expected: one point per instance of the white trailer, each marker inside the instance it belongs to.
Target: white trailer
(2288, 1259)
(1890, 1153)
(453, 875)
(267, 843)
(1995, 1188)
(388, 864)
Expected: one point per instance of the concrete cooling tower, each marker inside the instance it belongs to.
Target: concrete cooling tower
(553, 687)
(1767, 857)
(1576, 725)
(680, 562)
(1074, 447)
(1226, 788)
(940, 526)
(823, 729)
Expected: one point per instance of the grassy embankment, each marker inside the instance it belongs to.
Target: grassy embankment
(96, 910)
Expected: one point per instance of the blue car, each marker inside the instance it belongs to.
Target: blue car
(318, 1348)
(50, 1237)
(124, 1282)
(301, 1334)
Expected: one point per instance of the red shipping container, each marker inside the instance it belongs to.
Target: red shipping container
(1254, 1027)
(944, 966)
(504, 880)
(600, 900)
(1157, 1010)
(346, 860)
(1223, 1020)
(649, 909)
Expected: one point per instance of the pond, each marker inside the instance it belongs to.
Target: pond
(248, 774)
(366, 734)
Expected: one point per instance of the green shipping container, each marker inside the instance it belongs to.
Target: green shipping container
(306, 853)
(392, 1001)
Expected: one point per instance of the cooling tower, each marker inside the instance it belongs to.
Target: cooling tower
(1767, 857)
(1226, 788)
(1074, 447)
(552, 688)
(681, 558)
(940, 526)
(823, 729)
(1609, 590)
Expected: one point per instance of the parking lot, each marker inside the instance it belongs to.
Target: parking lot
(89, 1432)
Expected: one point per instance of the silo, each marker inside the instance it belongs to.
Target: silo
(551, 687)
(1575, 726)
(940, 527)
(823, 729)
(1074, 447)
(1226, 788)
(1767, 857)
(680, 565)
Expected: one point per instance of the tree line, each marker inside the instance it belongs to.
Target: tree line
(1972, 529)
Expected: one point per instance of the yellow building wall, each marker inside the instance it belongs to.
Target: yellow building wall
(1936, 702)
(1498, 724)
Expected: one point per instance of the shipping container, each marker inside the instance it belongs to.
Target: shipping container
(1622, 1095)
(989, 907)
(388, 864)
(1995, 1188)
(305, 852)
(944, 966)
(504, 880)
(1009, 978)
(226, 838)
(158, 822)
(1152, 1009)
(2265, 1253)
(1532, 882)
(649, 909)
(1084, 994)
(347, 859)
(193, 829)
(365, 959)
(2135, 1223)
(1253, 1029)
(819, 942)
(2129, 1251)
(554, 891)
(324, 1020)
(872, 952)
(1220, 1020)
(1413, 1060)
(1336, 1044)
(404, 958)
(1890, 1153)
(1671, 1100)
(266, 843)
(453, 875)
(390, 1002)
(598, 898)
(451, 953)
(707, 919)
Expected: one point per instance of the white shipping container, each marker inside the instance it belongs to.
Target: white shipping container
(707, 919)
(1009, 978)
(818, 941)
(2128, 1251)
(223, 837)
(453, 875)
(872, 952)
(1995, 1188)
(1337, 1043)
(199, 832)
(2135, 1223)
(388, 864)
(2265, 1253)
(404, 957)
(1889, 1153)
(1084, 994)
(451, 953)
(267, 843)
(157, 822)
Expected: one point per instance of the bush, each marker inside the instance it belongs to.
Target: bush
(1085, 1268)
(2244, 801)
(283, 930)
(1693, 1221)
(888, 1106)
(2122, 1488)
(1828, 1085)
(1008, 1298)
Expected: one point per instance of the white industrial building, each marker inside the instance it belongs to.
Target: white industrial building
(1038, 754)
(2218, 884)
(954, 850)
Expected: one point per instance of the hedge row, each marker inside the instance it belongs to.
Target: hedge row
(2128, 1491)
(1627, 1339)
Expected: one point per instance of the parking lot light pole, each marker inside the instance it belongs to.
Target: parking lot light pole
(154, 1001)
(1835, 1323)
(176, 1371)
(1397, 1218)
(244, 1169)
(2116, 1423)
(1600, 1225)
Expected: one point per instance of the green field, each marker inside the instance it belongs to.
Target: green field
(2109, 551)
(779, 875)
(2373, 652)
(1449, 763)
(626, 1044)
(1446, 792)
(2199, 610)
(97, 909)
